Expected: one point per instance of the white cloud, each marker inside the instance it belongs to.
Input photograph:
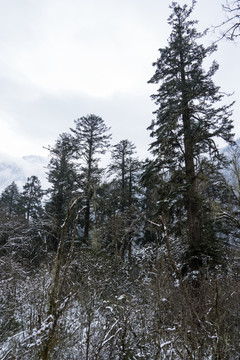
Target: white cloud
(63, 59)
(88, 46)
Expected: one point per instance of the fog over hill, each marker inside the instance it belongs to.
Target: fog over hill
(19, 169)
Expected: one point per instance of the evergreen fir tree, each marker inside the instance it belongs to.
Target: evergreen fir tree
(10, 201)
(124, 194)
(62, 175)
(190, 116)
(32, 198)
(125, 167)
(92, 139)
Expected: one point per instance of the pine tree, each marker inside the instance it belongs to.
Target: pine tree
(62, 175)
(125, 167)
(10, 201)
(125, 193)
(32, 198)
(92, 139)
(190, 116)
(12, 221)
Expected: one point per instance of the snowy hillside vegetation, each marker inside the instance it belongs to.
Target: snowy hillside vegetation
(106, 309)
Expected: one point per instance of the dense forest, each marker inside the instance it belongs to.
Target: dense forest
(138, 259)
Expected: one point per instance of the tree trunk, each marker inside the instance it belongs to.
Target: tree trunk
(87, 219)
(192, 205)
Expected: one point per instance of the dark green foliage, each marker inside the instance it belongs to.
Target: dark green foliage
(10, 201)
(63, 177)
(91, 139)
(125, 168)
(189, 117)
(32, 198)
(123, 199)
(21, 232)
(11, 216)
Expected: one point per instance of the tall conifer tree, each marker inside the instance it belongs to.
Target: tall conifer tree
(10, 201)
(125, 167)
(62, 176)
(32, 197)
(190, 116)
(92, 139)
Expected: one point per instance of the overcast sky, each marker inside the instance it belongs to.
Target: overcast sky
(64, 59)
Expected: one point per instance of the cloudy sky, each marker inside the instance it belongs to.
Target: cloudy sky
(63, 59)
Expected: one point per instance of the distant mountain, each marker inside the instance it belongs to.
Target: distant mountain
(19, 169)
